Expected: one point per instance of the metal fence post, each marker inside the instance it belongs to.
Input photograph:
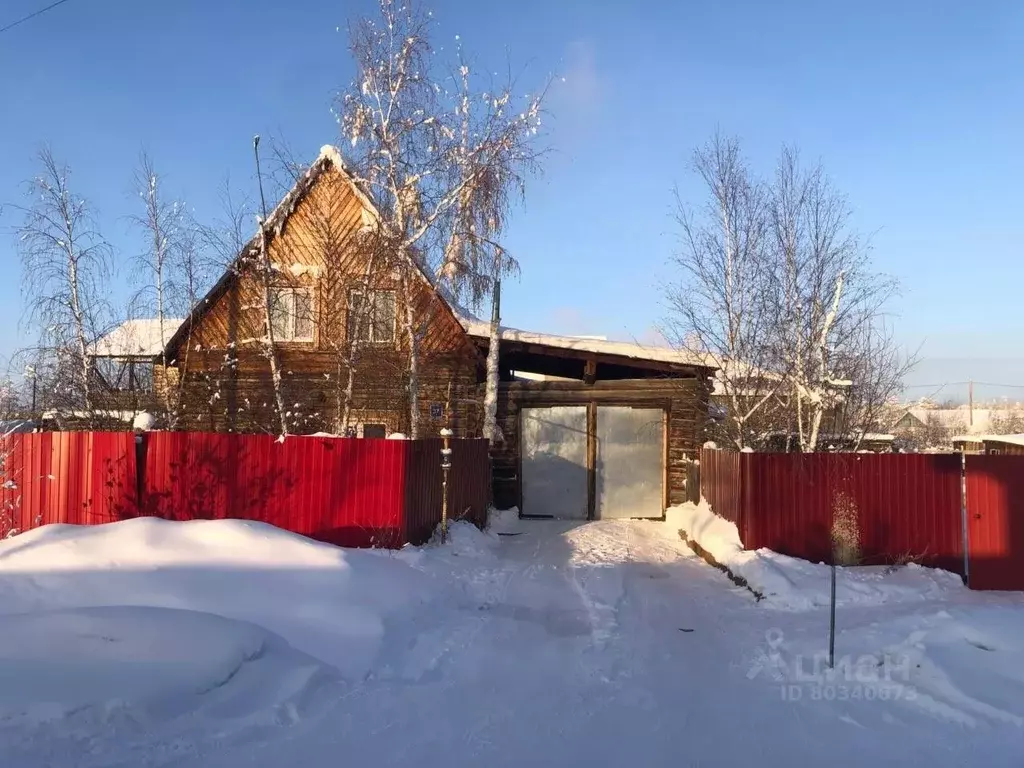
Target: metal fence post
(446, 465)
(963, 519)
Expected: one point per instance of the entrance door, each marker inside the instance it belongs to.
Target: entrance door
(630, 462)
(554, 461)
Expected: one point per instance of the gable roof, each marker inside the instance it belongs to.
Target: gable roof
(329, 158)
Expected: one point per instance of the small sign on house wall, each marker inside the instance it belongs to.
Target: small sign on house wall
(436, 411)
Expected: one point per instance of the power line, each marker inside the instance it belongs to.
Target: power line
(40, 12)
(962, 384)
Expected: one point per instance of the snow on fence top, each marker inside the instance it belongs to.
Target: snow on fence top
(136, 338)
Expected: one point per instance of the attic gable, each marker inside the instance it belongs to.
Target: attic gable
(328, 165)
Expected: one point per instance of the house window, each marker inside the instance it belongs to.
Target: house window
(374, 430)
(291, 314)
(372, 319)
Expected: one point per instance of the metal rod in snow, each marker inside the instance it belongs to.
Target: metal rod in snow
(832, 620)
(446, 464)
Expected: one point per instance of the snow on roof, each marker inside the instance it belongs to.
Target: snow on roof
(959, 419)
(136, 338)
(1010, 439)
(482, 329)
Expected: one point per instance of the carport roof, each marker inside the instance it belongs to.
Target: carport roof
(584, 346)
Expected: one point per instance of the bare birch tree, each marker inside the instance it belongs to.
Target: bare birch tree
(876, 366)
(777, 287)
(438, 156)
(828, 296)
(66, 265)
(723, 304)
(161, 223)
(220, 247)
(259, 262)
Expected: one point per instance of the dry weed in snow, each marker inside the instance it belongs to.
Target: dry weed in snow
(845, 530)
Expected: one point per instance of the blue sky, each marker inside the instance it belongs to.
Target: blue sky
(915, 108)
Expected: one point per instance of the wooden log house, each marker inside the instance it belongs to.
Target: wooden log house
(591, 428)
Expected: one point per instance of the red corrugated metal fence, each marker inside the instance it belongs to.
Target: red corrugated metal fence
(910, 507)
(350, 492)
(468, 489)
(66, 477)
(343, 491)
(719, 483)
(995, 521)
(907, 505)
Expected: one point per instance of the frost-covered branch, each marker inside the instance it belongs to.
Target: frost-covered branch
(439, 151)
(66, 266)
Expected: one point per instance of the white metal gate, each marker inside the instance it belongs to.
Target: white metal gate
(630, 462)
(554, 461)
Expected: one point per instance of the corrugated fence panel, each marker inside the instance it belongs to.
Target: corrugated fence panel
(907, 505)
(343, 491)
(470, 481)
(995, 521)
(422, 489)
(720, 482)
(67, 477)
(469, 485)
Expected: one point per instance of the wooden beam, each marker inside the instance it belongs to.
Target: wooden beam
(509, 347)
(675, 385)
(590, 372)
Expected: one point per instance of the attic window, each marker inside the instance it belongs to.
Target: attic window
(374, 320)
(291, 314)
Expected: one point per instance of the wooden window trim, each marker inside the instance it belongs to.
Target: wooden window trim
(393, 341)
(291, 291)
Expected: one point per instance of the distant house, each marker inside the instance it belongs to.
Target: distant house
(936, 427)
(969, 443)
(963, 428)
(1004, 444)
(595, 428)
(992, 445)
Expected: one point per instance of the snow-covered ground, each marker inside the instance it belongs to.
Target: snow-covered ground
(790, 583)
(224, 643)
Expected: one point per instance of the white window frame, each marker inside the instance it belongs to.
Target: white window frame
(372, 329)
(285, 296)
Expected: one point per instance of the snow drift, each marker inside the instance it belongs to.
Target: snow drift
(96, 662)
(794, 584)
(325, 601)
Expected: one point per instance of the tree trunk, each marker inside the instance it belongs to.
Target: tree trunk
(81, 336)
(491, 430)
(413, 340)
(269, 347)
(345, 411)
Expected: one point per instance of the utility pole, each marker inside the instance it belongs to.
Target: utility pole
(970, 402)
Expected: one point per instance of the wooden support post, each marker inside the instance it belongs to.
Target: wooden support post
(590, 372)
